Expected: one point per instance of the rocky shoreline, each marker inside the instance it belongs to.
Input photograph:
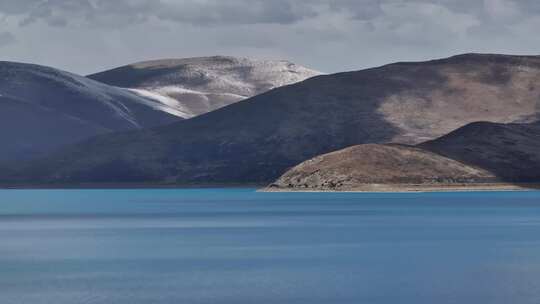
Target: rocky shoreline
(417, 188)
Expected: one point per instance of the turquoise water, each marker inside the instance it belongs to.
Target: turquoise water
(240, 246)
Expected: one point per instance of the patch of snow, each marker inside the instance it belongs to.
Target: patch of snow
(179, 90)
(162, 103)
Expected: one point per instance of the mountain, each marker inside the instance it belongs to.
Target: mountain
(42, 108)
(256, 140)
(478, 153)
(194, 86)
(509, 151)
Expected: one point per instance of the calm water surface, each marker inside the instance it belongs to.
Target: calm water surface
(240, 246)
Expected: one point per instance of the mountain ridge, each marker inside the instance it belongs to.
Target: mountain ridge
(509, 151)
(193, 86)
(257, 139)
(43, 108)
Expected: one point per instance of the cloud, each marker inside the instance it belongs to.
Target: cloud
(208, 13)
(6, 38)
(502, 9)
(17, 7)
(218, 12)
(126, 12)
(331, 35)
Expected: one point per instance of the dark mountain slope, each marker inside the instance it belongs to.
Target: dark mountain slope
(28, 130)
(43, 108)
(258, 139)
(509, 151)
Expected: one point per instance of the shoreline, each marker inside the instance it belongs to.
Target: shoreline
(412, 188)
(367, 188)
(121, 186)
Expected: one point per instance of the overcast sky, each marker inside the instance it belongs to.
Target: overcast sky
(85, 36)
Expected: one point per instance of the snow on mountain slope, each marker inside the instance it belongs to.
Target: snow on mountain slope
(42, 108)
(194, 86)
(162, 102)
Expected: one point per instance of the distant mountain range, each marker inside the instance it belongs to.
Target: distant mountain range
(478, 153)
(194, 86)
(42, 109)
(258, 139)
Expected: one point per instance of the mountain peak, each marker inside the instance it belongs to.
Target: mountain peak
(202, 84)
(202, 62)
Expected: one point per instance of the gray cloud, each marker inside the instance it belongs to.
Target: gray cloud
(219, 12)
(330, 35)
(17, 7)
(236, 12)
(6, 38)
(125, 12)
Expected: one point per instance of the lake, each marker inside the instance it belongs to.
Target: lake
(241, 246)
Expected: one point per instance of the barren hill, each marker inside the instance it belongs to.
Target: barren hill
(474, 154)
(258, 139)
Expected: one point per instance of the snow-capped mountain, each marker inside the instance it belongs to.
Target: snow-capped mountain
(42, 108)
(194, 86)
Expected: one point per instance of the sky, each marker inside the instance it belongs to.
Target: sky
(86, 36)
